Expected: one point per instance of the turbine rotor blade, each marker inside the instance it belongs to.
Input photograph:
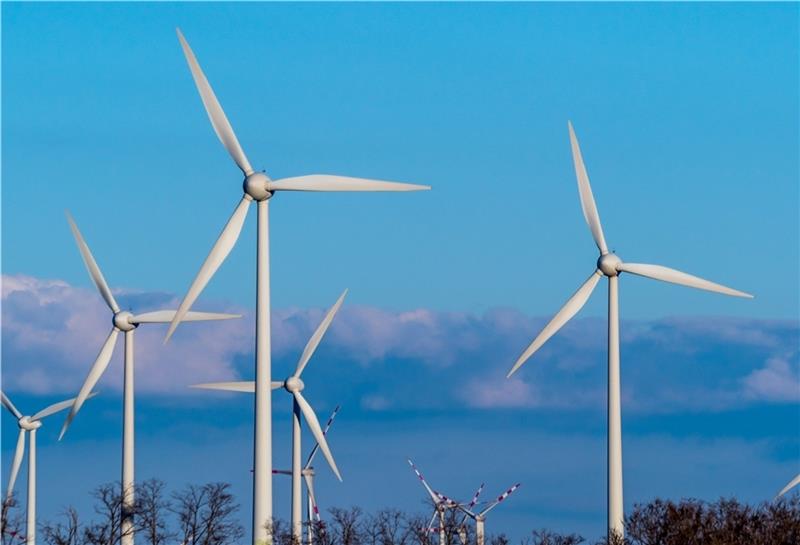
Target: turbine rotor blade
(248, 387)
(166, 316)
(97, 370)
(310, 487)
(313, 342)
(500, 498)
(56, 407)
(665, 274)
(10, 406)
(19, 452)
(214, 110)
(432, 494)
(330, 182)
(313, 425)
(325, 433)
(585, 190)
(570, 308)
(475, 497)
(794, 482)
(222, 247)
(91, 266)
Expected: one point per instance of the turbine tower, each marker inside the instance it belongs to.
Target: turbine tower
(259, 188)
(294, 385)
(125, 321)
(611, 266)
(28, 425)
(480, 517)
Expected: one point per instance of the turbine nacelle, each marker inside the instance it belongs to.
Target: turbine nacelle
(123, 321)
(609, 264)
(256, 185)
(25, 423)
(294, 384)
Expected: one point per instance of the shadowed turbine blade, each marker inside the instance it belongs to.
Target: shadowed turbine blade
(218, 119)
(587, 199)
(310, 488)
(56, 407)
(324, 432)
(166, 316)
(313, 425)
(97, 370)
(432, 494)
(570, 308)
(315, 339)
(665, 274)
(248, 387)
(91, 266)
(18, 453)
(500, 498)
(222, 247)
(794, 482)
(329, 182)
(10, 406)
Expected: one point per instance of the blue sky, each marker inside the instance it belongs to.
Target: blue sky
(688, 120)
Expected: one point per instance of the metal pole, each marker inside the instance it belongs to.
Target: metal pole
(30, 535)
(616, 516)
(126, 526)
(297, 490)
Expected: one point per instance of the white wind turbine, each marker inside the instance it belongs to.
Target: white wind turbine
(480, 516)
(794, 482)
(441, 504)
(611, 266)
(28, 425)
(294, 385)
(125, 321)
(259, 188)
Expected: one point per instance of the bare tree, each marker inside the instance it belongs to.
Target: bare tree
(11, 522)
(206, 515)
(546, 537)
(151, 508)
(107, 530)
(345, 526)
(66, 533)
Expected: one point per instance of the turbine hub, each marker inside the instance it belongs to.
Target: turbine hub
(256, 185)
(122, 321)
(294, 384)
(608, 264)
(27, 424)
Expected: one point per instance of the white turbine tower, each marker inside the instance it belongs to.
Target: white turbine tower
(480, 516)
(125, 321)
(611, 266)
(794, 482)
(294, 385)
(441, 504)
(259, 188)
(28, 425)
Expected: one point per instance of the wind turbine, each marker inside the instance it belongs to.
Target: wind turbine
(125, 321)
(294, 385)
(794, 482)
(611, 266)
(441, 504)
(260, 188)
(480, 517)
(28, 425)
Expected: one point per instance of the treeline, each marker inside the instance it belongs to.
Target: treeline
(208, 515)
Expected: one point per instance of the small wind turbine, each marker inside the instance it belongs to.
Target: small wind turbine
(294, 385)
(794, 482)
(260, 188)
(28, 425)
(611, 266)
(441, 504)
(480, 517)
(125, 321)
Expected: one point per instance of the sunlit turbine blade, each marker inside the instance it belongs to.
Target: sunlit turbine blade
(500, 498)
(56, 407)
(166, 317)
(97, 370)
(324, 432)
(587, 199)
(19, 452)
(91, 266)
(570, 308)
(794, 482)
(214, 110)
(432, 494)
(475, 497)
(315, 339)
(329, 182)
(10, 406)
(222, 247)
(313, 425)
(665, 274)
(433, 518)
(248, 386)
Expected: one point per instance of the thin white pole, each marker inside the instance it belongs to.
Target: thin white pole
(30, 534)
(126, 527)
(297, 490)
(616, 516)
(442, 536)
(310, 509)
(479, 530)
(262, 444)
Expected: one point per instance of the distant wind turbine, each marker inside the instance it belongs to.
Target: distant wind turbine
(609, 265)
(441, 504)
(480, 516)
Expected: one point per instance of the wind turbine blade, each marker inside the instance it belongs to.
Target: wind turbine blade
(10, 406)
(313, 425)
(97, 370)
(315, 339)
(214, 110)
(500, 498)
(665, 274)
(56, 407)
(310, 488)
(432, 494)
(325, 433)
(166, 316)
(570, 308)
(329, 182)
(248, 387)
(433, 518)
(475, 497)
(794, 482)
(18, 453)
(222, 247)
(587, 199)
(91, 266)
